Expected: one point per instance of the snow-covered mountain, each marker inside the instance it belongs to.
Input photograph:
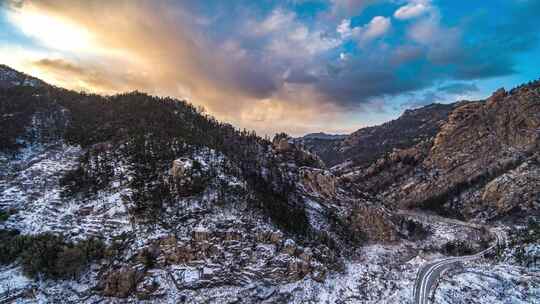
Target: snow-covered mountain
(134, 198)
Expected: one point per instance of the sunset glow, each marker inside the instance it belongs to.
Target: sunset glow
(53, 32)
(298, 66)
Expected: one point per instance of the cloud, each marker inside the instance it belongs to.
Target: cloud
(270, 67)
(99, 78)
(417, 101)
(350, 7)
(377, 27)
(458, 88)
(344, 28)
(360, 79)
(59, 64)
(282, 35)
(413, 9)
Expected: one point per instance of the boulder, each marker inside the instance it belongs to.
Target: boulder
(306, 255)
(120, 283)
(181, 167)
(200, 234)
(289, 247)
(188, 177)
(276, 237)
(318, 182)
(318, 272)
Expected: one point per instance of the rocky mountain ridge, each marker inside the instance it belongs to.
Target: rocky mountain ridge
(134, 198)
(366, 145)
(482, 163)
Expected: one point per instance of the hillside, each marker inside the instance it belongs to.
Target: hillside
(482, 164)
(368, 144)
(142, 199)
(164, 184)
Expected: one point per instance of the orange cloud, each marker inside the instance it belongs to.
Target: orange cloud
(147, 45)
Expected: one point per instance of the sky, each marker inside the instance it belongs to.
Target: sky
(297, 66)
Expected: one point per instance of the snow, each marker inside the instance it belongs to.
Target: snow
(377, 273)
(489, 284)
(191, 275)
(12, 280)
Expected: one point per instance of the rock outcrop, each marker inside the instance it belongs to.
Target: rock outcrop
(120, 283)
(517, 190)
(188, 177)
(483, 158)
(318, 182)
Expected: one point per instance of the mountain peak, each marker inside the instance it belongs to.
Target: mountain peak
(11, 78)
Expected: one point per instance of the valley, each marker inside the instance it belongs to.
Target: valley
(132, 198)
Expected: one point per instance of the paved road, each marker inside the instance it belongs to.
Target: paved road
(429, 273)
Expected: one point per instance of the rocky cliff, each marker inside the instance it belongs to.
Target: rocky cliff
(366, 145)
(482, 163)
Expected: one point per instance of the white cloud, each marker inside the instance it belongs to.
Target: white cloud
(344, 28)
(442, 43)
(277, 21)
(377, 27)
(288, 38)
(413, 9)
(344, 56)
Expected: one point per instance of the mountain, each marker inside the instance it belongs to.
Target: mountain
(161, 185)
(141, 199)
(10, 78)
(470, 159)
(322, 136)
(368, 144)
(321, 144)
(482, 164)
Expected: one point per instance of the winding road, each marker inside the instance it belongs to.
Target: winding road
(430, 273)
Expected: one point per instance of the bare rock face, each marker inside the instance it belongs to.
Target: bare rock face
(483, 140)
(289, 247)
(290, 151)
(318, 182)
(188, 177)
(517, 189)
(474, 162)
(283, 144)
(181, 167)
(373, 224)
(120, 283)
(478, 134)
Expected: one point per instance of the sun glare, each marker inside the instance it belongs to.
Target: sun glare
(53, 32)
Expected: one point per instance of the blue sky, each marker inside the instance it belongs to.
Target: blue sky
(293, 65)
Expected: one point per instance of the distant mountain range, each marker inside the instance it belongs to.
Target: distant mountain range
(322, 135)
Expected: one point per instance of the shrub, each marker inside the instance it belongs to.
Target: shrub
(457, 248)
(48, 255)
(41, 255)
(11, 245)
(4, 216)
(147, 258)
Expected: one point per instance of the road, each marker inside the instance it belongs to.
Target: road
(430, 273)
